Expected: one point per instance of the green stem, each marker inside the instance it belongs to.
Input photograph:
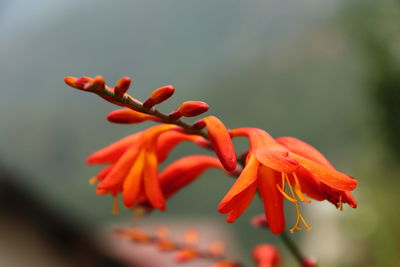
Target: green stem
(293, 248)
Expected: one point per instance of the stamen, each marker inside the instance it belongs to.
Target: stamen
(297, 188)
(115, 208)
(285, 195)
(340, 204)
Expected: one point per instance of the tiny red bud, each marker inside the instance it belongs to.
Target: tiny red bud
(193, 108)
(71, 81)
(309, 262)
(122, 86)
(159, 95)
(259, 221)
(174, 115)
(80, 83)
(98, 84)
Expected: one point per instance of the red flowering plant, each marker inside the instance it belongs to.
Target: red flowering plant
(276, 168)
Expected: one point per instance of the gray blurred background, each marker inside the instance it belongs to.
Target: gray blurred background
(324, 71)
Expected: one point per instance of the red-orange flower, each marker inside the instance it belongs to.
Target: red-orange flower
(266, 255)
(286, 168)
(133, 164)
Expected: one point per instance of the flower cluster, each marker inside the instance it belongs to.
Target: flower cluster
(278, 168)
(184, 251)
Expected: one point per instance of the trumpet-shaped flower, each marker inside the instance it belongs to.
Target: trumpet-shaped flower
(286, 168)
(133, 164)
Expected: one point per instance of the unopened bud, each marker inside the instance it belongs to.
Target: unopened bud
(159, 95)
(193, 108)
(309, 262)
(259, 221)
(122, 86)
(78, 83)
(266, 255)
(166, 245)
(127, 116)
(186, 254)
(98, 84)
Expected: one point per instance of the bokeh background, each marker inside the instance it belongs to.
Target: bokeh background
(327, 72)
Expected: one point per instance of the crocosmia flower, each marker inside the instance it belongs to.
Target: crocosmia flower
(133, 164)
(280, 169)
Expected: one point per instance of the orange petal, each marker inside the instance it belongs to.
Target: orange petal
(151, 183)
(184, 171)
(272, 198)
(133, 181)
(267, 150)
(120, 169)
(245, 180)
(309, 184)
(221, 142)
(113, 152)
(332, 178)
(167, 141)
(246, 196)
(127, 116)
(303, 149)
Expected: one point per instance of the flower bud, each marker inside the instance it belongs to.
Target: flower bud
(159, 95)
(98, 84)
(259, 221)
(221, 142)
(192, 108)
(78, 83)
(186, 254)
(127, 116)
(309, 262)
(266, 255)
(122, 86)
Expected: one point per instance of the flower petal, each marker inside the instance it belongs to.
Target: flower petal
(246, 196)
(167, 141)
(120, 169)
(151, 183)
(221, 142)
(245, 180)
(303, 149)
(133, 181)
(113, 152)
(184, 171)
(333, 178)
(267, 150)
(272, 198)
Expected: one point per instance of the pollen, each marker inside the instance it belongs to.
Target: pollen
(295, 195)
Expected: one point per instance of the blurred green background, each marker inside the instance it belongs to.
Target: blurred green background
(327, 72)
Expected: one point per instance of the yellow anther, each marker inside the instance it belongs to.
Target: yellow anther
(297, 188)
